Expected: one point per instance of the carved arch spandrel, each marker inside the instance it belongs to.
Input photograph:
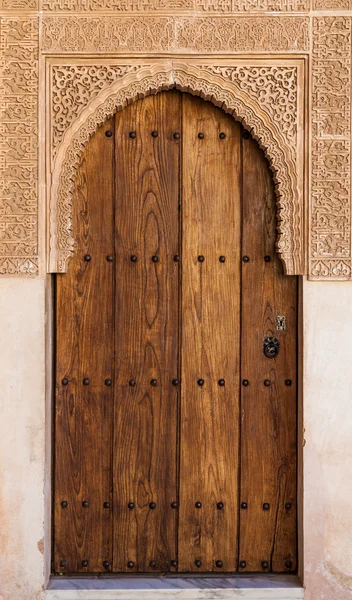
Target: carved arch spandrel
(213, 86)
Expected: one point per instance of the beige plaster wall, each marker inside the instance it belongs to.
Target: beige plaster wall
(327, 452)
(22, 438)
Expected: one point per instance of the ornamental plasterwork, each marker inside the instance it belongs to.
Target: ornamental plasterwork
(73, 87)
(206, 6)
(274, 87)
(237, 90)
(178, 27)
(330, 226)
(332, 5)
(19, 4)
(106, 34)
(18, 146)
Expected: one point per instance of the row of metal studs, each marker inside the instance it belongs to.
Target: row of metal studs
(152, 505)
(176, 382)
(133, 134)
(174, 563)
(176, 258)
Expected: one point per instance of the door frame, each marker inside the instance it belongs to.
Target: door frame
(61, 160)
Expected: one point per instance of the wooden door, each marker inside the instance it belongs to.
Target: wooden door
(175, 433)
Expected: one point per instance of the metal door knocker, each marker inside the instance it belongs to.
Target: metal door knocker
(271, 347)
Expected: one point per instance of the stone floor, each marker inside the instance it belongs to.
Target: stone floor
(271, 587)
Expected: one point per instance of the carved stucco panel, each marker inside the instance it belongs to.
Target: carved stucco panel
(205, 6)
(18, 146)
(103, 34)
(330, 206)
(19, 4)
(242, 34)
(73, 87)
(274, 87)
(236, 90)
(332, 5)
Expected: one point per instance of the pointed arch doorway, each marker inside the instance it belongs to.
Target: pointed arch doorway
(176, 397)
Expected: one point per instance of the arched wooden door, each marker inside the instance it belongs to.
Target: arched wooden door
(175, 434)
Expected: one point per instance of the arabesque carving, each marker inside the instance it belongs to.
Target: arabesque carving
(166, 33)
(330, 227)
(226, 89)
(206, 6)
(242, 34)
(332, 4)
(74, 86)
(274, 87)
(18, 146)
(165, 29)
(19, 4)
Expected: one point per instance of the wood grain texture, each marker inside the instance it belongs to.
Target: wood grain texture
(145, 439)
(84, 349)
(211, 226)
(145, 195)
(268, 414)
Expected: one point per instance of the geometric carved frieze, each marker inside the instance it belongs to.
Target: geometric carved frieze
(242, 34)
(19, 145)
(110, 33)
(332, 5)
(19, 4)
(254, 94)
(330, 197)
(201, 6)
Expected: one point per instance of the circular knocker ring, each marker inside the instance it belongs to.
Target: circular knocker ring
(271, 347)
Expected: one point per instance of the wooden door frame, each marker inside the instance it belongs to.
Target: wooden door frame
(62, 159)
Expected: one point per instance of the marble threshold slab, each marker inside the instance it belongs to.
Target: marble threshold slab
(270, 587)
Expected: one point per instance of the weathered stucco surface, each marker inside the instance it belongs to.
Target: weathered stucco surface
(22, 435)
(328, 441)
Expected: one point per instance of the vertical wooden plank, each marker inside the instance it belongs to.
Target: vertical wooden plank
(84, 350)
(268, 421)
(145, 446)
(210, 338)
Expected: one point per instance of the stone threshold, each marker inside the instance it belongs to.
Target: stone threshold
(255, 587)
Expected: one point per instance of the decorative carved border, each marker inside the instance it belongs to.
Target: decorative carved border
(109, 33)
(202, 6)
(18, 145)
(252, 94)
(330, 206)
